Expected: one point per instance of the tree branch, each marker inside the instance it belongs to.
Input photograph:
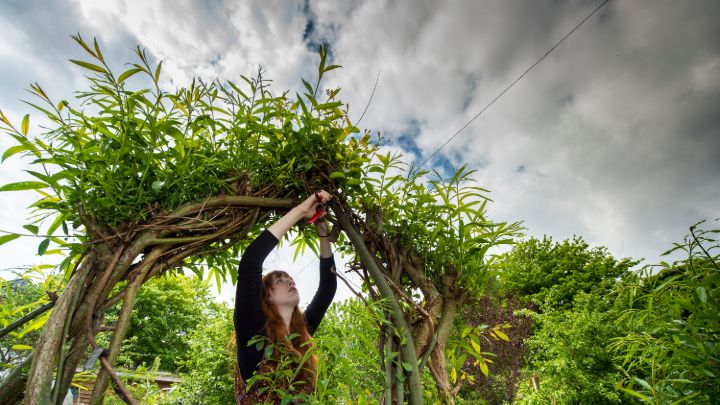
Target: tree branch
(32, 315)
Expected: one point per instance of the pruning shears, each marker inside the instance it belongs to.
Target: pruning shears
(320, 211)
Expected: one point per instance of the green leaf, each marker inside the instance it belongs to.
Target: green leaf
(35, 324)
(126, 74)
(4, 118)
(327, 106)
(635, 393)
(25, 124)
(475, 346)
(157, 71)
(88, 66)
(331, 67)
(307, 86)
(43, 247)
(21, 347)
(643, 383)
(701, 294)
(7, 238)
(13, 150)
(407, 366)
(82, 43)
(484, 368)
(337, 175)
(97, 50)
(31, 228)
(501, 335)
(23, 185)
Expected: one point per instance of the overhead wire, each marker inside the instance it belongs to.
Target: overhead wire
(513, 83)
(377, 79)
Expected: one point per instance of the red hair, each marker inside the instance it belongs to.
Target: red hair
(276, 332)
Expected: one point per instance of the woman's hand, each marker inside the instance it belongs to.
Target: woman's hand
(308, 207)
(324, 231)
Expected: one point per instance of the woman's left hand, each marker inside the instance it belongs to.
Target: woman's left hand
(324, 231)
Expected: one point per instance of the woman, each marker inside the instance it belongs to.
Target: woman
(268, 306)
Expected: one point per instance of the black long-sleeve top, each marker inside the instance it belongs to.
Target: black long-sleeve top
(249, 318)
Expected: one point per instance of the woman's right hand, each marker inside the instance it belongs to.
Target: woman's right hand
(308, 207)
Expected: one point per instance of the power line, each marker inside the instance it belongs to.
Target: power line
(513, 83)
(370, 100)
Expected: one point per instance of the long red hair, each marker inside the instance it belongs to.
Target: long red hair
(276, 331)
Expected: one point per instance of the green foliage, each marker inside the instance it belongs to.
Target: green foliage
(283, 379)
(551, 274)
(498, 382)
(441, 221)
(569, 357)
(466, 347)
(119, 155)
(669, 353)
(210, 361)
(167, 310)
(18, 298)
(570, 282)
(347, 343)
(143, 388)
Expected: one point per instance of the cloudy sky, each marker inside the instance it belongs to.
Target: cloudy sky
(615, 136)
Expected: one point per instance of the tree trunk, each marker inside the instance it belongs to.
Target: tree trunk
(398, 317)
(437, 357)
(123, 322)
(44, 361)
(75, 356)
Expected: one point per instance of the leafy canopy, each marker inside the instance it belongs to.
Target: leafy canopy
(550, 274)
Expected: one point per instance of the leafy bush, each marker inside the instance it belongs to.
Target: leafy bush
(569, 358)
(670, 350)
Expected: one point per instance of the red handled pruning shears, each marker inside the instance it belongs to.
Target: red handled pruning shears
(320, 210)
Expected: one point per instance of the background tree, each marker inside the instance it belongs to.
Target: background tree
(24, 305)
(209, 363)
(167, 310)
(569, 361)
(571, 283)
(550, 274)
(18, 298)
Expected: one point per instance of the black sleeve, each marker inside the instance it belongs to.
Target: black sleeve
(248, 317)
(324, 294)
